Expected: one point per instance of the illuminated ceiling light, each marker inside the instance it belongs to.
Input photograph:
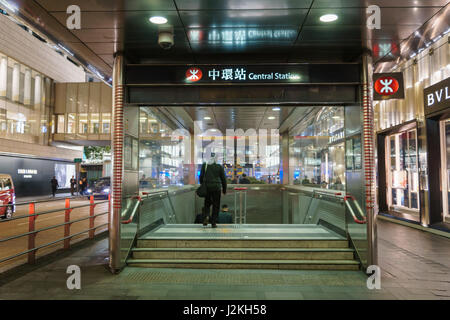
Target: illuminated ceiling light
(207, 118)
(271, 118)
(158, 20)
(328, 18)
(276, 109)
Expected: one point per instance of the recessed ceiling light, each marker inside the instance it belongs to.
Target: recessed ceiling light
(276, 109)
(158, 20)
(207, 118)
(328, 18)
(271, 118)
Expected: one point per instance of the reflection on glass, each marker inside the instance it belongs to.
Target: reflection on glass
(317, 150)
(95, 123)
(60, 127)
(403, 172)
(161, 158)
(71, 122)
(106, 123)
(83, 123)
(445, 165)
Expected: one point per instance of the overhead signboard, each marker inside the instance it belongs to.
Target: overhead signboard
(388, 86)
(437, 97)
(242, 74)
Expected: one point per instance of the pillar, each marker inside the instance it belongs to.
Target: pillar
(368, 143)
(16, 82)
(27, 88)
(285, 157)
(117, 138)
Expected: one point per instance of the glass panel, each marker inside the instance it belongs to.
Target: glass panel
(106, 123)
(61, 123)
(317, 150)
(83, 123)
(71, 123)
(95, 123)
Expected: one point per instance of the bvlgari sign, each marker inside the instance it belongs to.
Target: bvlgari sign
(437, 97)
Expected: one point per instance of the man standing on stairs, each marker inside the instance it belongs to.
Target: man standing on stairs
(213, 175)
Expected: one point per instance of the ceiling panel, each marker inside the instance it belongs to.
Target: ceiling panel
(107, 5)
(243, 18)
(239, 31)
(242, 5)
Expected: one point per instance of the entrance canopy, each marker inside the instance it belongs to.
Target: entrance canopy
(234, 31)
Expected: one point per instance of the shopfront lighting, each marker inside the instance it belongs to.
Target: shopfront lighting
(158, 20)
(328, 18)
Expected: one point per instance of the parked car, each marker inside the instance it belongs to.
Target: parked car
(100, 189)
(7, 196)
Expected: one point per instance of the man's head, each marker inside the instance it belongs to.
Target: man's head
(244, 175)
(225, 208)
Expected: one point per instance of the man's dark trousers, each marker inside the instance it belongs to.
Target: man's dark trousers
(212, 198)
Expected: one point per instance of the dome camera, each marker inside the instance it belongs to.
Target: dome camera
(165, 39)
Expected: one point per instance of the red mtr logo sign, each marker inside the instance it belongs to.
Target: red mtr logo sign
(386, 86)
(193, 74)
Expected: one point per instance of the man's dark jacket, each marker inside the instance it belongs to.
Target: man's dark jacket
(215, 177)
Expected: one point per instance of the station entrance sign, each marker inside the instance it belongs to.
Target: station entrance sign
(242, 74)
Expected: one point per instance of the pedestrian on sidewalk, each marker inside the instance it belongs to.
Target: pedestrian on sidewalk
(73, 183)
(54, 184)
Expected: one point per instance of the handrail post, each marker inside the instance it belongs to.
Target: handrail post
(32, 236)
(91, 218)
(109, 210)
(67, 225)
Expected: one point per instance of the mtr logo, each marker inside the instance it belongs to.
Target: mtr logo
(193, 74)
(386, 86)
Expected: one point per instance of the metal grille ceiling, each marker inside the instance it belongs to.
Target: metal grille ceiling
(228, 31)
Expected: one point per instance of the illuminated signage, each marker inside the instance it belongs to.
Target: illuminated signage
(388, 86)
(26, 171)
(194, 74)
(437, 97)
(244, 74)
(202, 74)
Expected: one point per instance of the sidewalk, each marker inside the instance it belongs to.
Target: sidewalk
(414, 264)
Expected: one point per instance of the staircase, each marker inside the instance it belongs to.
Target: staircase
(296, 247)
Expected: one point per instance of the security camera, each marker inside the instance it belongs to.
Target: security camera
(165, 39)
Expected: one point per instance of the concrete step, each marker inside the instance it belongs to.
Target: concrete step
(241, 243)
(244, 253)
(246, 264)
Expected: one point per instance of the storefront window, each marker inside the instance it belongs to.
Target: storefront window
(445, 154)
(403, 176)
(317, 150)
(106, 123)
(83, 123)
(71, 122)
(61, 123)
(95, 123)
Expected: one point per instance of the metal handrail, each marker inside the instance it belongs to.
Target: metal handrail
(42, 201)
(358, 207)
(32, 233)
(135, 209)
(50, 211)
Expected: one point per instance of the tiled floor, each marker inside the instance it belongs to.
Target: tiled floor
(415, 265)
